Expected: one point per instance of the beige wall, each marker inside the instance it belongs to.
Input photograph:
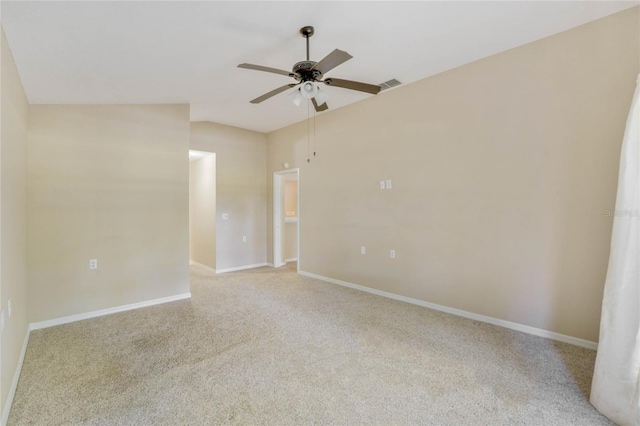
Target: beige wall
(13, 216)
(502, 170)
(202, 210)
(106, 182)
(290, 196)
(241, 191)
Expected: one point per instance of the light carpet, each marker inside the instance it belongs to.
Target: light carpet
(269, 346)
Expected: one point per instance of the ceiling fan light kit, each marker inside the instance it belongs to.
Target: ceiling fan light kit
(309, 73)
(321, 97)
(309, 89)
(297, 97)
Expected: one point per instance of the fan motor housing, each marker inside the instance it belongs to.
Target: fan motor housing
(303, 71)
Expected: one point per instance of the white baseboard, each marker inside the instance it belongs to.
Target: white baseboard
(293, 259)
(240, 268)
(209, 268)
(16, 377)
(270, 264)
(470, 315)
(108, 311)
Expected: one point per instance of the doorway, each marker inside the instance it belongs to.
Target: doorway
(286, 217)
(202, 209)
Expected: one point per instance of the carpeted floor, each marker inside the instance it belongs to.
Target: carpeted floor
(269, 346)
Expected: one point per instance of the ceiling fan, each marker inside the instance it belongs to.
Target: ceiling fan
(309, 73)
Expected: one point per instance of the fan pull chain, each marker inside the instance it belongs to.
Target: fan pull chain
(314, 133)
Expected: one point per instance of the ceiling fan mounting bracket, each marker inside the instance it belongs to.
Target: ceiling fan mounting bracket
(307, 31)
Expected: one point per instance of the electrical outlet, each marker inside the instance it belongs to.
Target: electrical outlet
(363, 250)
(9, 308)
(389, 186)
(244, 239)
(382, 185)
(93, 264)
(392, 254)
(2, 320)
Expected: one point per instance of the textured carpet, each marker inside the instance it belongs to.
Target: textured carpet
(268, 346)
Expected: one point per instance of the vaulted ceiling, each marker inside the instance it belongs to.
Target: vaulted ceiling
(124, 52)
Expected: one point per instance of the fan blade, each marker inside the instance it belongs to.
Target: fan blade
(331, 61)
(353, 85)
(319, 108)
(272, 93)
(266, 69)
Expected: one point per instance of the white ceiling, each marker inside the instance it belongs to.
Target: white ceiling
(186, 52)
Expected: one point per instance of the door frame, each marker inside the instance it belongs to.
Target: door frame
(278, 216)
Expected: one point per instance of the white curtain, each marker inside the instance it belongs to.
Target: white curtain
(615, 391)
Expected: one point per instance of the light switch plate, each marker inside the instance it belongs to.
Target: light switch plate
(382, 184)
(363, 250)
(389, 186)
(244, 238)
(392, 254)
